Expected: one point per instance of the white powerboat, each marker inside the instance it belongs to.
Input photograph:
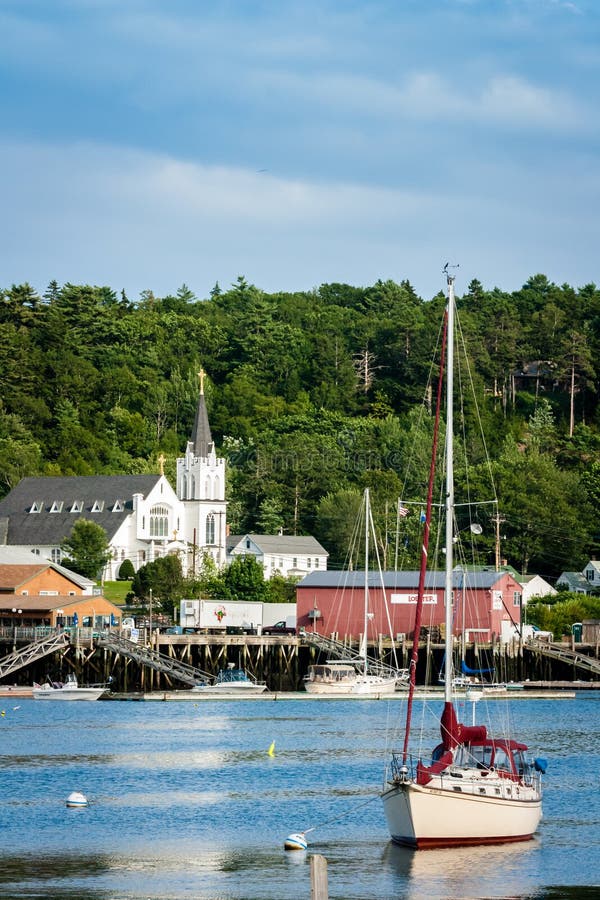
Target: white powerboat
(232, 681)
(68, 690)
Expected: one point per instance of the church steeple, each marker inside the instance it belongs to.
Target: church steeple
(201, 438)
(201, 488)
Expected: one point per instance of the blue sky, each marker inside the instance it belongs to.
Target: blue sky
(148, 143)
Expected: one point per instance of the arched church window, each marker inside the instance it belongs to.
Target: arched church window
(192, 493)
(159, 521)
(210, 529)
(184, 485)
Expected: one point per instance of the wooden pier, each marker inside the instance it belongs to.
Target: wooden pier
(280, 661)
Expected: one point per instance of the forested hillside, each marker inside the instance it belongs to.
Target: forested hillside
(312, 396)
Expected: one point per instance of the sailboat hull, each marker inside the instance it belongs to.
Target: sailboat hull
(357, 685)
(422, 817)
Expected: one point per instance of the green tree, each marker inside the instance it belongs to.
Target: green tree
(335, 524)
(242, 579)
(164, 577)
(87, 549)
(548, 518)
(282, 590)
(20, 455)
(558, 613)
(270, 519)
(126, 571)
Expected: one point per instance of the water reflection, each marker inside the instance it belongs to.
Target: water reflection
(55, 867)
(490, 871)
(185, 804)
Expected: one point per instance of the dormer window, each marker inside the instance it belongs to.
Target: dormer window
(98, 506)
(118, 506)
(56, 506)
(36, 506)
(77, 506)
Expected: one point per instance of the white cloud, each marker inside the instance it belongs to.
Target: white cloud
(99, 214)
(503, 100)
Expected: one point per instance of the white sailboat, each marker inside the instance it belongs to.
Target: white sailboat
(363, 676)
(477, 789)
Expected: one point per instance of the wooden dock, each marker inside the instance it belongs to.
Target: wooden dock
(550, 693)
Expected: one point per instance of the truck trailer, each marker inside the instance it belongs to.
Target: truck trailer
(227, 617)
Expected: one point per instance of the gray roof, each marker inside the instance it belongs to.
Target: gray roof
(201, 436)
(279, 543)
(24, 557)
(47, 528)
(574, 580)
(400, 580)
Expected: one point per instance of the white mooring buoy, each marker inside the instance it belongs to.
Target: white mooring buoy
(296, 842)
(76, 800)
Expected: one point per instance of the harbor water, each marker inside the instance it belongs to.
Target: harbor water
(186, 802)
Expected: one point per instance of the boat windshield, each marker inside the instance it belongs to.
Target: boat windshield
(474, 755)
(332, 673)
(484, 756)
(228, 675)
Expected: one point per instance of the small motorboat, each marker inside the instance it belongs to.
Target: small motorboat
(232, 681)
(68, 690)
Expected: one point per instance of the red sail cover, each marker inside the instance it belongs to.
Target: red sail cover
(455, 733)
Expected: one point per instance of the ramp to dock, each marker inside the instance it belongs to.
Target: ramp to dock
(32, 652)
(153, 659)
(564, 654)
(336, 650)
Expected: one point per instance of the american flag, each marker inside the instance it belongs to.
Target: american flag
(402, 510)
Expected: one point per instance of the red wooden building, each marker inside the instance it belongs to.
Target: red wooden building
(333, 603)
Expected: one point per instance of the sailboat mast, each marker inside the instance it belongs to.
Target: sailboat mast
(449, 453)
(424, 548)
(366, 611)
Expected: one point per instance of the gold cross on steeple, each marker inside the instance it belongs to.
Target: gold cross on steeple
(201, 376)
(162, 459)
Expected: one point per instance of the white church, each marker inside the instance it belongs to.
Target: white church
(144, 518)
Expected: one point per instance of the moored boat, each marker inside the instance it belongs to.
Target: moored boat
(344, 678)
(68, 690)
(358, 674)
(477, 788)
(232, 680)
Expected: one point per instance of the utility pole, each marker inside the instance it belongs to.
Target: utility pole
(498, 520)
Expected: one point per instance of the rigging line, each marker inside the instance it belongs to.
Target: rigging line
(339, 818)
(347, 567)
(411, 459)
(371, 525)
(477, 410)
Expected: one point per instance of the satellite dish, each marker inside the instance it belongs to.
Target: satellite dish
(476, 528)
